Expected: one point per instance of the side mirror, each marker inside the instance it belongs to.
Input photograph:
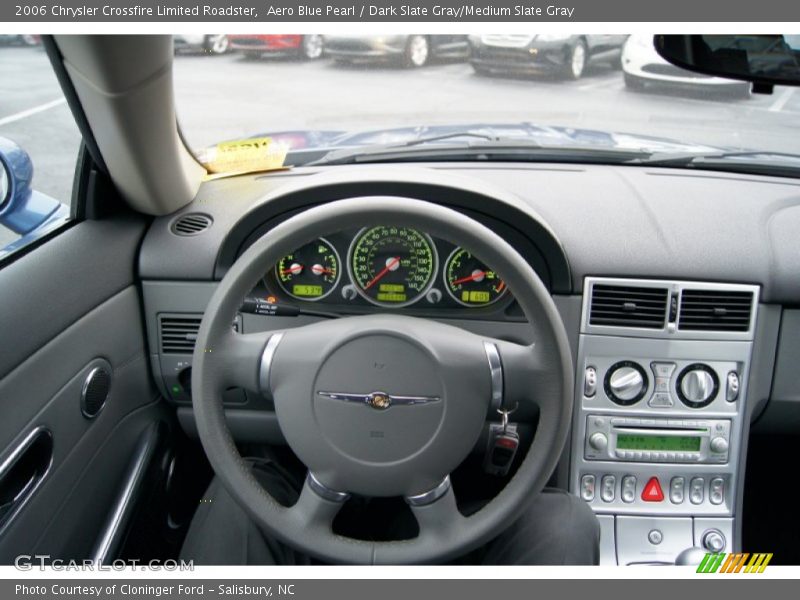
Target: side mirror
(764, 60)
(23, 210)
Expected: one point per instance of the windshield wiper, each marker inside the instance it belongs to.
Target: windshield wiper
(782, 164)
(489, 149)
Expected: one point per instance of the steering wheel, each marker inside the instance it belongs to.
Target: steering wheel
(384, 405)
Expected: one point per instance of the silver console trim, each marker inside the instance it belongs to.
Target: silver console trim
(599, 348)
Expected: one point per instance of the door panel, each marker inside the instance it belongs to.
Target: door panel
(64, 308)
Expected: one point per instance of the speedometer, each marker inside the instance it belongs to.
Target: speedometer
(392, 266)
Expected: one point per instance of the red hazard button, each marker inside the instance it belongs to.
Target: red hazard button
(652, 491)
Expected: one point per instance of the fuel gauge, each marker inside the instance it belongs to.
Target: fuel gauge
(311, 272)
(470, 282)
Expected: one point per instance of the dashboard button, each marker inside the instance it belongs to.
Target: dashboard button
(652, 491)
(608, 487)
(716, 490)
(676, 490)
(732, 389)
(587, 487)
(628, 489)
(661, 384)
(655, 537)
(662, 369)
(590, 382)
(697, 490)
(660, 400)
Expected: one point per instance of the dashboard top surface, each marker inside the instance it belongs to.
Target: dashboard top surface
(583, 220)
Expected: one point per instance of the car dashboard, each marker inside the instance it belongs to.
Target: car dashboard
(388, 268)
(676, 290)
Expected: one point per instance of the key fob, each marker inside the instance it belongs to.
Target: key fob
(501, 449)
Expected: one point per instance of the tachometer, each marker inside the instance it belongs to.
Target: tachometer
(392, 266)
(470, 282)
(311, 272)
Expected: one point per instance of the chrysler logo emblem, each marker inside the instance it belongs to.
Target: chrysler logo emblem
(379, 400)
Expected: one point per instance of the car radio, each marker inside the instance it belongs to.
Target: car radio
(657, 440)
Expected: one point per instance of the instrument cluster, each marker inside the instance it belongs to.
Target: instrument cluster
(387, 266)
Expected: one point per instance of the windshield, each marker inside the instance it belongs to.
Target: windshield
(614, 91)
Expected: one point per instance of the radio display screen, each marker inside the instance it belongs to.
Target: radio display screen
(675, 443)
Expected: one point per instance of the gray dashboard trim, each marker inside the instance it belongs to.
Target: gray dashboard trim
(614, 221)
(251, 203)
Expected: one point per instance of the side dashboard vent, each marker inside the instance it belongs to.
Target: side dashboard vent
(191, 224)
(178, 334)
(715, 310)
(628, 306)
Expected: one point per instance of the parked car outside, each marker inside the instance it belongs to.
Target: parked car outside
(309, 47)
(213, 43)
(410, 50)
(567, 55)
(642, 66)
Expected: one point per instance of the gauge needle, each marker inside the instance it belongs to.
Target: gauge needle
(390, 266)
(295, 268)
(320, 270)
(474, 276)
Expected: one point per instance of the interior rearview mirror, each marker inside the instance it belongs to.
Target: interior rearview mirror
(764, 60)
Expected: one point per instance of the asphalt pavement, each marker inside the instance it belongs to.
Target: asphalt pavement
(226, 97)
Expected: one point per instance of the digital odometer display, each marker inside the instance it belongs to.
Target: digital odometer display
(392, 266)
(673, 443)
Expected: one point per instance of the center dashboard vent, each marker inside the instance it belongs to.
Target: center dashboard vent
(628, 306)
(178, 334)
(191, 224)
(715, 310)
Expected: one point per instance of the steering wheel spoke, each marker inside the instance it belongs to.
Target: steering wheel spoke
(436, 512)
(318, 505)
(237, 359)
(531, 378)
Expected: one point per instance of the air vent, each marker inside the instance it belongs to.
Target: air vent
(178, 334)
(628, 306)
(715, 310)
(191, 224)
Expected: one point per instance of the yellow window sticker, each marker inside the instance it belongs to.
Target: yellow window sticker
(244, 156)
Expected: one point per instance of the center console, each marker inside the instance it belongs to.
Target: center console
(662, 374)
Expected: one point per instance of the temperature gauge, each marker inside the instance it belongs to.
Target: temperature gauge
(311, 272)
(470, 282)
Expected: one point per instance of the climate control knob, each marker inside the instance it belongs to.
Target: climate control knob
(625, 383)
(697, 385)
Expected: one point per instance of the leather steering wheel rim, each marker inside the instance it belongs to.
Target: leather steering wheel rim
(538, 375)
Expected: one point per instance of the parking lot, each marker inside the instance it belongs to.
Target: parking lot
(224, 97)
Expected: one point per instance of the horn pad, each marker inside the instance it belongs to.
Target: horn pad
(381, 405)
